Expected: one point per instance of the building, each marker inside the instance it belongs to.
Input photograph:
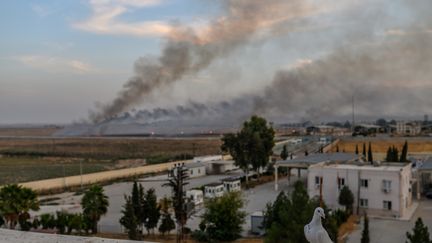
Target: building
(209, 158)
(213, 190)
(221, 167)
(408, 128)
(257, 219)
(383, 190)
(196, 169)
(196, 196)
(232, 184)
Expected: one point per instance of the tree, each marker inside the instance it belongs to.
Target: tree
(404, 153)
(420, 233)
(337, 148)
(381, 122)
(346, 198)
(129, 219)
(365, 232)
(223, 217)
(252, 146)
(177, 181)
(364, 150)
(16, 202)
(370, 157)
(167, 224)
(356, 149)
(95, 204)
(153, 210)
(284, 153)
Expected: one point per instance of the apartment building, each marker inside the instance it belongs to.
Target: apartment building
(383, 190)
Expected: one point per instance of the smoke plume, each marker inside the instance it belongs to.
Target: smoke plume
(188, 51)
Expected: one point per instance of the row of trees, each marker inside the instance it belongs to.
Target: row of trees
(141, 210)
(16, 202)
(367, 154)
(393, 154)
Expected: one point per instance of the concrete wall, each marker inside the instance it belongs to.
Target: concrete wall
(400, 194)
(87, 179)
(197, 171)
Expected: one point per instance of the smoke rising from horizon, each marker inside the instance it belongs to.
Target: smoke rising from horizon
(188, 51)
(387, 70)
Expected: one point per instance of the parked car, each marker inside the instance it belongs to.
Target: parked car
(428, 194)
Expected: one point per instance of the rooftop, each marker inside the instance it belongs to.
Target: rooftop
(214, 184)
(383, 167)
(318, 158)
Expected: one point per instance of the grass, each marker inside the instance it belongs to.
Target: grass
(109, 148)
(22, 169)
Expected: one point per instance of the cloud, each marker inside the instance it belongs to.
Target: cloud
(105, 19)
(55, 64)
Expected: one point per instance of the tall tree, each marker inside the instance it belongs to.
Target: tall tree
(95, 204)
(16, 202)
(365, 232)
(404, 153)
(420, 233)
(346, 198)
(178, 179)
(337, 148)
(153, 210)
(284, 152)
(223, 217)
(252, 146)
(167, 223)
(356, 149)
(370, 157)
(129, 219)
(364, 151)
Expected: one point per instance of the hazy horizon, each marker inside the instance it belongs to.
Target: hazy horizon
(285, 60)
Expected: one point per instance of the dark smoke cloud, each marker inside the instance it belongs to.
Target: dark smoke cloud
(189, 51)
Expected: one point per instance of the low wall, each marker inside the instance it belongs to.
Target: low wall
(88, 179)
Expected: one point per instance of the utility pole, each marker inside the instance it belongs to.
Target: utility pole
(81, 178)
(353, 115)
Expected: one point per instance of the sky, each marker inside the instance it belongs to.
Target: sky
(60, 60)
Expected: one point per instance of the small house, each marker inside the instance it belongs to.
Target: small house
(195, 196)
(196, 169)
(232, 184)
(213, 190)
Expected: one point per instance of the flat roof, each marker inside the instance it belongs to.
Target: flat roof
(223, 162)
(386, 167)
(214, 184)
(194, 165)
(318, 158)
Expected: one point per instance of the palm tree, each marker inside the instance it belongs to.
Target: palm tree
(16, 202)
(95, 204)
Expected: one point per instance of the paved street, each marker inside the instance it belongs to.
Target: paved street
(393, 231)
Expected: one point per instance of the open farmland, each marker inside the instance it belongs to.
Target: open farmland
(110, 148)
(28, 132)
(22, 169)
(416, 145)
(25, 159)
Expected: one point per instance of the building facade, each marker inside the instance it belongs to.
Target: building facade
(196, 169)
(214, 190)
(232, 185)
(383, 190)
(408, 128)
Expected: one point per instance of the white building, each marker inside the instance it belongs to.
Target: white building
(232, 184)
(196, 196)
(383, 190)
(408, 128)
(196, 169)
(221, 166)
(213, 190)
(209, 158)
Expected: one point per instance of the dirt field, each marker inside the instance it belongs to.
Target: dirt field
(415, 145)
(32, 132)
(111, 148)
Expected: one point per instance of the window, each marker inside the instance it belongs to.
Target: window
(199, 171)
(340, 182)
(386, 186)
(364, 183)
(191, 172)
(387, 205)
(364, 203)
(318, 181)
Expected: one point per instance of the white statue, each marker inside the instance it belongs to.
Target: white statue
(314, 231)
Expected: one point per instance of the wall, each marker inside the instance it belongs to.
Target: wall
(87, 179)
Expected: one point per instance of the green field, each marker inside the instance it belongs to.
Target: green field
(22, 169)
